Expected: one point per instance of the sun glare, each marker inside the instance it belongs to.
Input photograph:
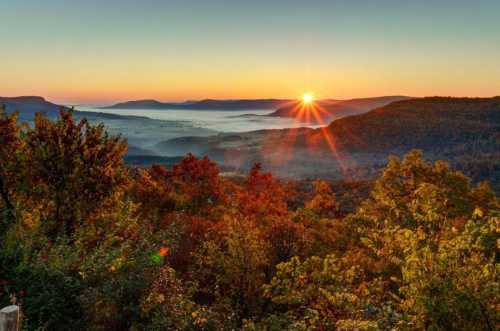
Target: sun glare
(307, 98)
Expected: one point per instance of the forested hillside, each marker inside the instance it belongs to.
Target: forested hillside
(88, 243)
(430, 123)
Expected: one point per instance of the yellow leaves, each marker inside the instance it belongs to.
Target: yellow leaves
(199, 317)
(368, 242)
(478, 212)
(116, 264)
(395, 280)
(351, 274)
(357, 325)
(160, 298)
(31, 219)
(323, 202)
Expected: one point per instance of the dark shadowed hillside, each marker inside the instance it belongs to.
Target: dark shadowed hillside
(29, 105)
(429, 123)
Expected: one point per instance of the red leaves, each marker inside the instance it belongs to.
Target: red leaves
(262, 196)
(163, 251)
(193, 186)
(323, 202)
(199, 180)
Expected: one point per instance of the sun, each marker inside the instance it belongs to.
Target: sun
(308, 97)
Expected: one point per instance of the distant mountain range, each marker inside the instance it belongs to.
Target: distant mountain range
(327, 109)
(324, 111)
(207, 104)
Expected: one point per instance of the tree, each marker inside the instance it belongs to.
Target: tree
(74, 169)
(425, 258)
(193, 186)
(323, 202)
(10, 145)
(262, 197)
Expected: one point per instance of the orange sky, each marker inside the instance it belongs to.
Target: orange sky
(89, 52)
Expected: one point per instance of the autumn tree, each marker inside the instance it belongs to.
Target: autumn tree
(262, 196)
(74, 169)
(323, 202)
(10, 145)
(425, 242)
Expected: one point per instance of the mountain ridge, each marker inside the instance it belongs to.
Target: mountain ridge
(204, 104)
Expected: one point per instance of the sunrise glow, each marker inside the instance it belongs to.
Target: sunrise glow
(308, 98)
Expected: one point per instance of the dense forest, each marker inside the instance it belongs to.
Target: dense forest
(87, 243)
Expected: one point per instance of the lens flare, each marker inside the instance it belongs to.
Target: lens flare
(158, 257)
(163, 251)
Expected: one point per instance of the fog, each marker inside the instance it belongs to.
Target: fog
(147, 129)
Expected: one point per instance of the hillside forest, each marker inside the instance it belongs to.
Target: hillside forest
(89, 243)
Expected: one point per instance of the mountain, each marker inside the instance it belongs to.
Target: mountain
(432, 123)
(28, 106)
(138, 104)
(207, 104)
(324, 111)
(463, 131)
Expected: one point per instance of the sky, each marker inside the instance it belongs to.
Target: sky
(95, 51)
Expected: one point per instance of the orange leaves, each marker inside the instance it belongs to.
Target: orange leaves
(199, 180)
(69, 169)
(9, 130)
(193, 186)
(163, 251)
(10, 145)
(324, 202)
(262, 196)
